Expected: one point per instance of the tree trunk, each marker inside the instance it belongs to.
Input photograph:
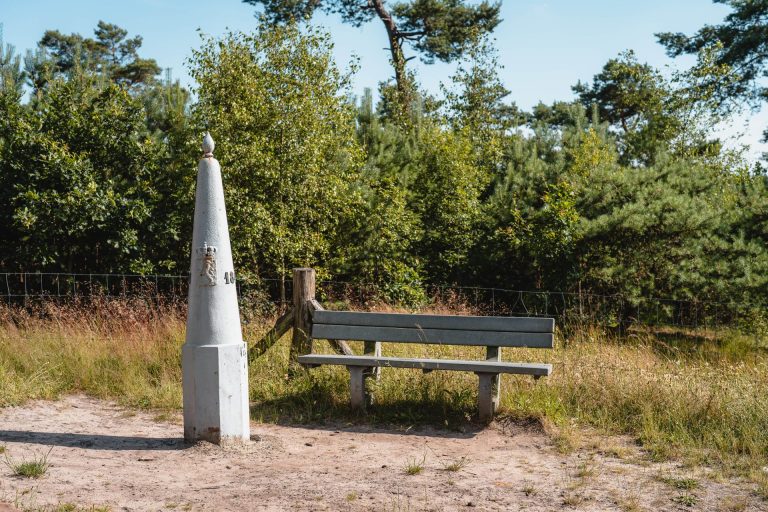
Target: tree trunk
(395, 47)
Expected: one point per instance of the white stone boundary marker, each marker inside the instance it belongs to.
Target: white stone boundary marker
(214, 358)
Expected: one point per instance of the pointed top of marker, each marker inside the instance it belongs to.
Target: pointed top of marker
(208, 145)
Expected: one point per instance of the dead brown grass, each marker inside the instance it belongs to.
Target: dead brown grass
(706, 402)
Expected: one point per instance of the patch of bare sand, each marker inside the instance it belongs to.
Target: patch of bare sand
(106, 455)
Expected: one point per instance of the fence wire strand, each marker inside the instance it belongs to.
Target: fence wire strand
(610, 310)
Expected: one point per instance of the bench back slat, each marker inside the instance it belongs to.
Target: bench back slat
(433, 336)
(443, 322)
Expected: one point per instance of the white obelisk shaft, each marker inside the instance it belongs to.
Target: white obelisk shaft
(214, 357)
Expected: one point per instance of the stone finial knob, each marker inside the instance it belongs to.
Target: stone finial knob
(208, 145)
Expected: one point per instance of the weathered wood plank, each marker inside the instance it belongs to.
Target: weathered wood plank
(275, 333)
(303, 292)
(540, 369)
(339, 346)
(433, 336)
(464, 323)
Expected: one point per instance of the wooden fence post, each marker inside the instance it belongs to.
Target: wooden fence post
(303, 293)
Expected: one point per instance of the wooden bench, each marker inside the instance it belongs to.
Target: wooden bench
(374, 328)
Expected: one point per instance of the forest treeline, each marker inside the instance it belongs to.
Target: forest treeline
(626, 189)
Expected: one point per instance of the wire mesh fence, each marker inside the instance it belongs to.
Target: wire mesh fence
(615, 310)
(21, 288)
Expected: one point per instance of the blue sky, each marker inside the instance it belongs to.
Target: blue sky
(545, 46)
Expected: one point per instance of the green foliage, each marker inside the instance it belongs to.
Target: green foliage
(379, 240)
(632, 96)
(475, 95)
(626, 190)
(444, 27)
(446, 196)
(671, 230)
(12, 76)
(740, 42)
(642, 228)
(475, 104)
(273, 101)
(436, 29)
(652, 114)
(78, 184)
(111, 54)
(98, 178)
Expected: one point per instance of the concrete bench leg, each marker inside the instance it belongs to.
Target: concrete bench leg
(486, 398)
(357, 386)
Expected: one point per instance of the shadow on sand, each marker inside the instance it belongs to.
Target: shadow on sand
(318, 409)
(93, 441)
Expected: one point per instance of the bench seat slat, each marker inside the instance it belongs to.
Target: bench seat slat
(464, 323)
(537, 369)
(433, 336)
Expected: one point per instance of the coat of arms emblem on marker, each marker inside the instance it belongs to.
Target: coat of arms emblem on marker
(207, 265)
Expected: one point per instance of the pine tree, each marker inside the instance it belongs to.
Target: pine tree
(435, 29)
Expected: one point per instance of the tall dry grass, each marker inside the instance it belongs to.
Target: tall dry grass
(126, 349)
(702, 398)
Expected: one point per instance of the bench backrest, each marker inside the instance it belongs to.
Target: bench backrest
(494, 331)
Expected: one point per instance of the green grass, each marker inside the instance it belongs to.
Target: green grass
(456, 465)
(683, 484)
(686, 499)
(415, 466)
(67, 507)
(700, 396)
(32, 468)
(123, 350)
(760, 477)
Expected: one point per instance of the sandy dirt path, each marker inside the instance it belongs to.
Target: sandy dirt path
(107, 456)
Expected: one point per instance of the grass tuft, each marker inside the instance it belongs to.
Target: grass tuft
(586, 469)
(761, 479)
(33, 468)
(734, 504)
(687, 499)
(415, 466)
(566, 437)
(630, 503)
(71, 507)
(683, 484)
(456, 465)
